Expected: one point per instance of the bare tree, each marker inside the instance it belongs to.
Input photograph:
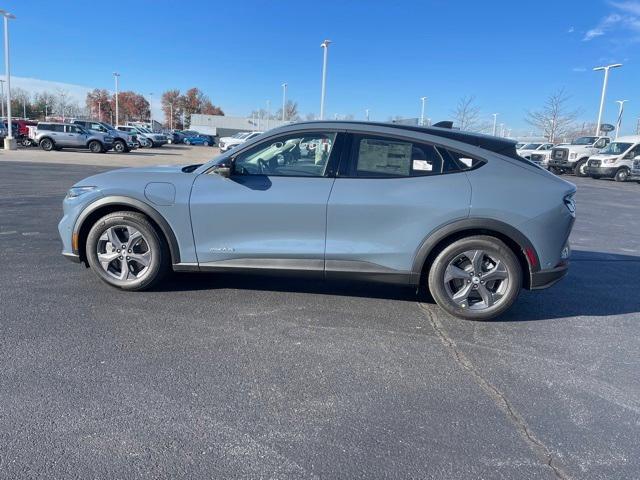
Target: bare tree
(554, 120)
(467, 115)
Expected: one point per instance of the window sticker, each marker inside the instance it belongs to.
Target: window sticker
(422, 165)
(384, 157)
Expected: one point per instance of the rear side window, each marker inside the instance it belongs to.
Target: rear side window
(380, 157)
(45, 127)
(51, 127)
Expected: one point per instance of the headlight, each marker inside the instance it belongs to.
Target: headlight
(573, 155)
(610, 160)
(77, 191)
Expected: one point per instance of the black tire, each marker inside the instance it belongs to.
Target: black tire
(596, 177)
(187, 142)
(95, 146)
(491, 246)
(119, 146)
(206, 143)
(580, 169)
(46, 144)
(160, 256)
(622, 174)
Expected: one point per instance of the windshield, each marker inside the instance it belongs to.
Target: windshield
(531, 146)
(519, 145)
(616, 148)
(241, 135)
(107, 126)
(584, 141)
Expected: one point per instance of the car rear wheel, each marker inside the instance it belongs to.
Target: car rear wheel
(95, 146)
(621, 175)
(206, 143)
(475, 278)
(46, 144)
(580, 169)
(187, 142)
(125, 250)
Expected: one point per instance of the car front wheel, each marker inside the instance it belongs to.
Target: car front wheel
(475, 278)
(119, 146)
(95, 146)
(581, 169)
(46, 144)
(125, 250)
(622, 175)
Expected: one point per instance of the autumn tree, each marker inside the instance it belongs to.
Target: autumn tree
(99, 103)
(43, 104)
(554, 119)
(131, 107)
(171, 102)
(195, 101)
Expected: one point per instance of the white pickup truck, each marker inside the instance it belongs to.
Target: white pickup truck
(573, 157)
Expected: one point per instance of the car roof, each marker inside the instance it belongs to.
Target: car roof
(628, 139)
(495, 144)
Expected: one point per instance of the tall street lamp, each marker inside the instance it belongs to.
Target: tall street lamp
(424, 100)
(2, 96)
(367, 114)
(606, 69)
(325, 46)
(116, 77)
(284, 101)
(9, 141)
(151, 111)
(620, 111)
(495, 124)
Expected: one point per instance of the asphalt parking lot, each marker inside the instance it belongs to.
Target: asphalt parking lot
(223, 376)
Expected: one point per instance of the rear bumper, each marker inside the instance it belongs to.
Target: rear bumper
(547, 278)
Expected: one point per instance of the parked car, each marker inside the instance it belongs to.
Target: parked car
(527, 150)
(174, 136)
(227, 143)
(197, 140)
(573, 157)
(122, 141)
(616, 160)
(335, 211)
(193, 133)
(55, 136)
(146, 138)
(542, 157)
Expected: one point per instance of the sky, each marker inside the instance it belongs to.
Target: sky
(384, 56)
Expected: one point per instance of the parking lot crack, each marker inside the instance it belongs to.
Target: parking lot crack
(498, 397)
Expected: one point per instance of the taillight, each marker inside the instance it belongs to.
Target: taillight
(570, 203)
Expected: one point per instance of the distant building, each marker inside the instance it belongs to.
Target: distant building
(224, 126)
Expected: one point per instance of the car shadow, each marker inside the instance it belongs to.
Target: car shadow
(137, 153)
(598, 284)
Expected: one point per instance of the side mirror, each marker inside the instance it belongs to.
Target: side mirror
(637, 157)
(224, 169)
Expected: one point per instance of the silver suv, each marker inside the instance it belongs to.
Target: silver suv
(55, 136)
(122, 141)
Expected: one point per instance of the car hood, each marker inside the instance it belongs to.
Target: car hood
(602, 156)
(152, 173)
(230, 140)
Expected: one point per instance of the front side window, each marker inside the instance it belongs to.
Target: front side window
(616, 148)
(73, 129)
(295, 155)
(531, 146)
(584, 141)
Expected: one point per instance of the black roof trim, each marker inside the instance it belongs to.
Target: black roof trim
(499, 145)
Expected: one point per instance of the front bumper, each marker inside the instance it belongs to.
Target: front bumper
(601, 171)
(547, 278)
(558, 164)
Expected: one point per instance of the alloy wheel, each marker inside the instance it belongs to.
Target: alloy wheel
(124, 253)
(476, 280)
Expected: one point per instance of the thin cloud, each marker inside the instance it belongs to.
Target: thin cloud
(625, 18)
(578, 69)
(571, 30)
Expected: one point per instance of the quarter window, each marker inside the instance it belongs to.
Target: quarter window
(298, 155)
(379, 157)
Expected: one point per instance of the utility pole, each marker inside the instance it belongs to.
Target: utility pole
(367, 114)
(604, 91)
(495, 120)
(2, 100)
(325, 46)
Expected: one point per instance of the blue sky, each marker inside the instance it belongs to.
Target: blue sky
(385, 55)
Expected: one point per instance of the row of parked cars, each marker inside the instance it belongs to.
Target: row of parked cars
(593, 156)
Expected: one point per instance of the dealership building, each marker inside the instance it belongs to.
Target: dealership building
(224, 126)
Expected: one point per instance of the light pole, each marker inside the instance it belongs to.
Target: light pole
(367, 114)
(495, 124)
(150, 111)
(116, 77)
(99, 111)
(620, 111)
(606, 69)
(502, 129)
(268, 112)
(284, 101)
(2, 95)
(9, 141)
(171, 116)
(324, 45)
(424, 100)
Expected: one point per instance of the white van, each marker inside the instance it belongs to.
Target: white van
(616, 159)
